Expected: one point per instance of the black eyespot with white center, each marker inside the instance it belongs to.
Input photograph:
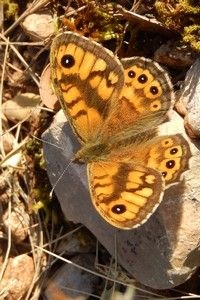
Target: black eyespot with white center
(154, 90)
(164, 174)
(67, 61)
(131, 74)
(119, 209)
(170, 164)
(173, 151)
(142, 78)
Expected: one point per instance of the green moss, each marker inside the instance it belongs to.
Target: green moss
(181, 16)
(11, 9)
(105, 27)
(191, 35)
(190, 7)
(41, 186)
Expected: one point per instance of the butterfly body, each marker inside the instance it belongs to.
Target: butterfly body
(114, 108)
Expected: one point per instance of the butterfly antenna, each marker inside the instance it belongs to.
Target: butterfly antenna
(59, 178)
(45, 142)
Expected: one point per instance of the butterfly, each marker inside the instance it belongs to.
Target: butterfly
(114, 108)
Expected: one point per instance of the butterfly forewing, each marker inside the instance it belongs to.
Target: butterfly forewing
(123, 193)
(86, 81)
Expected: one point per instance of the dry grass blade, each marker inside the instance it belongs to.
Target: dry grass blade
(1, 95)
(35, 5)
(32, 74)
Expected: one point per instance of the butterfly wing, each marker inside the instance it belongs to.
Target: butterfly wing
(145, 99)
(125, 194)
(167, 154)
(128, 189)
(89, 82)
(128, 173)
(86, 77)
(148, 88)
(170, 156)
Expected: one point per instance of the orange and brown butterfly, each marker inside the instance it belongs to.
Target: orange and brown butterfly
(114, 108)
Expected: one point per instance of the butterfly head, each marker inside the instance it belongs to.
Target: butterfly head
(92, 152)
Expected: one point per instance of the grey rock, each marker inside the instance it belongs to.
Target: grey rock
(162, 253)
(72, 282)
(190, 100)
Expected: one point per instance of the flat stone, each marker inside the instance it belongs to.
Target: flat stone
(162, 253)
(189, 102)
(21, 107)
(17, 278)
(38, 26)
(71, 282)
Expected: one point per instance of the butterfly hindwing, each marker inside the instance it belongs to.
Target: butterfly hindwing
(145, 99)
(126, 193)
(170, 156)
(150, 86)
(167, 154)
